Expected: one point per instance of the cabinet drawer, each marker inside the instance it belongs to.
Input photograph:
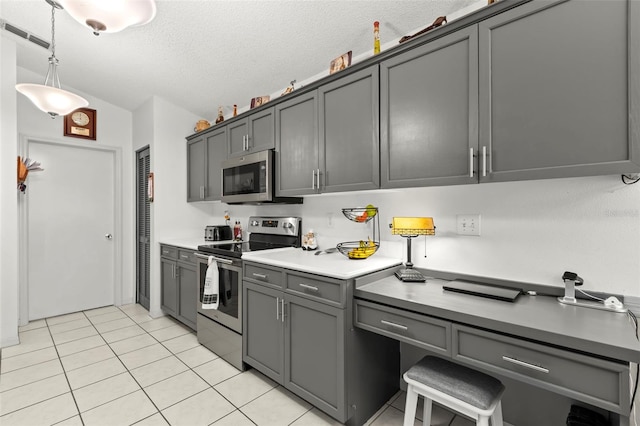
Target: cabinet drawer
(263, 274)
(599, 382)
(169, 251)
(333, 292)
(418, 330)
(187, 256)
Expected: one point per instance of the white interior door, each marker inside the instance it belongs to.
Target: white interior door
(70, 225)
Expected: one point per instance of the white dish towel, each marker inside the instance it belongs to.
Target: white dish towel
(210, 297)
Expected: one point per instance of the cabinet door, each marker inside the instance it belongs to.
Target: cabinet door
(169, 284)
(237, 133)
(262, 335)
(556, 87)
(196, 169)
(188, 297)
(349, 142)
(261, 131)
(297, 146)
(429, 113)
(315, 354)
(216, 154)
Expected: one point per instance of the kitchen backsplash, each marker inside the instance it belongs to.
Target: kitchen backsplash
(531, 231)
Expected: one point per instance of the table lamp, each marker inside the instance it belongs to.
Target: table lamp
(411, 227)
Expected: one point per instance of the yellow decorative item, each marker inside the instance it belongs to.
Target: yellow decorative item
(201, 125)
(358, 249)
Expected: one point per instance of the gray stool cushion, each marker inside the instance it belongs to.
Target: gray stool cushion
(460, 382)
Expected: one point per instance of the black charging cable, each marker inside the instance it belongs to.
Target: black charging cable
(635, 388)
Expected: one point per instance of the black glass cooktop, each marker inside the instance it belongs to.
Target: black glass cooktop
(236, 248)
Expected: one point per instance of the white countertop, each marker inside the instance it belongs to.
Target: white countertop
(333, 265)
(188, 243)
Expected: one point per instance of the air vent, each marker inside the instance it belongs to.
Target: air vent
(24, 34)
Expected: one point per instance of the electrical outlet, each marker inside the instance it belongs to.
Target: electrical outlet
(468, 224)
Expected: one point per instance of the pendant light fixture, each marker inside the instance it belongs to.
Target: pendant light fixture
(110, 16)
(49, 97)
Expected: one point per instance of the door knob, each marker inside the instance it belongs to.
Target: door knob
(108, 236)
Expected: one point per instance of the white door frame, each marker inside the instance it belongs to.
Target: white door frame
(23, 226)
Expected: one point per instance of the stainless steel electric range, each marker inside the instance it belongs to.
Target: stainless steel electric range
(220, 330)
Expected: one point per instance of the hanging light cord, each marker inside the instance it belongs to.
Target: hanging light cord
(53, 61)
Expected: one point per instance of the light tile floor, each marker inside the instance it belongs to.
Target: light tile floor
(118, 366)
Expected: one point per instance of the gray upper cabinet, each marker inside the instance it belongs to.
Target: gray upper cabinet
(196, 169)
(558, 90)
(297, 145)
(429, 113)
(216, 154)
(204, 155)
(327, 140)
(349, 145)
(252, 134)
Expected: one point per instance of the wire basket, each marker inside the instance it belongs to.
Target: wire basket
(358, 249)
(360, 214)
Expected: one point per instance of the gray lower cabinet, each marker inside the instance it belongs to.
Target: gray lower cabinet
(252, 134)
(558, 98)
(204, 156)
(298, 331)
(179, 284)
(429, 113)
(327, 140)
(298, 343)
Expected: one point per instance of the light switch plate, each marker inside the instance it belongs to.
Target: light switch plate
(468, 224)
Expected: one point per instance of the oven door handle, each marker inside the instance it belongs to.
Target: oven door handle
(217, 259)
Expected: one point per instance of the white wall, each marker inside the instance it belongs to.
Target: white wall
(8, 196)
(531, 231)
(163, 126)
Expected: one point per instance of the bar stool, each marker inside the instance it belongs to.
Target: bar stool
(457, 387)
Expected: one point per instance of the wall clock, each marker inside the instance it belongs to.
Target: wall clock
(81, 123)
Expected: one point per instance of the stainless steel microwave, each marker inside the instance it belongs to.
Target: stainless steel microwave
(250, 179)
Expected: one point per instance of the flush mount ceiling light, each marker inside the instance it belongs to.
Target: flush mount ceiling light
(49, 97)
(110, 16)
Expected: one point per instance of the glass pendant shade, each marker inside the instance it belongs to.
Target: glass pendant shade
(52, 100)
(110, 16)
(49, 97)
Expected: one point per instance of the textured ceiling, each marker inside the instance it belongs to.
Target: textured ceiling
(199, 54)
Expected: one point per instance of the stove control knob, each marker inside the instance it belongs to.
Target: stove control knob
(287, 225)
(254, 223)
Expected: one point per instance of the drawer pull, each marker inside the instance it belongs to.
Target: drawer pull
(184, 256)
(525, 364)
(261, 276)
(394, 325)
(308, 287)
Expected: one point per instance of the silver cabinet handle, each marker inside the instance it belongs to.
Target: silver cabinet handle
(318, 175)
(313, 179)
(525, 364)
(108, 236)
(470, 162)
(202, 192)
(247, 142)
(394, 325)
(184, 256)
(308, 287)
(484, 161)
(261, 276)
(282, 310)
(277, 308)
